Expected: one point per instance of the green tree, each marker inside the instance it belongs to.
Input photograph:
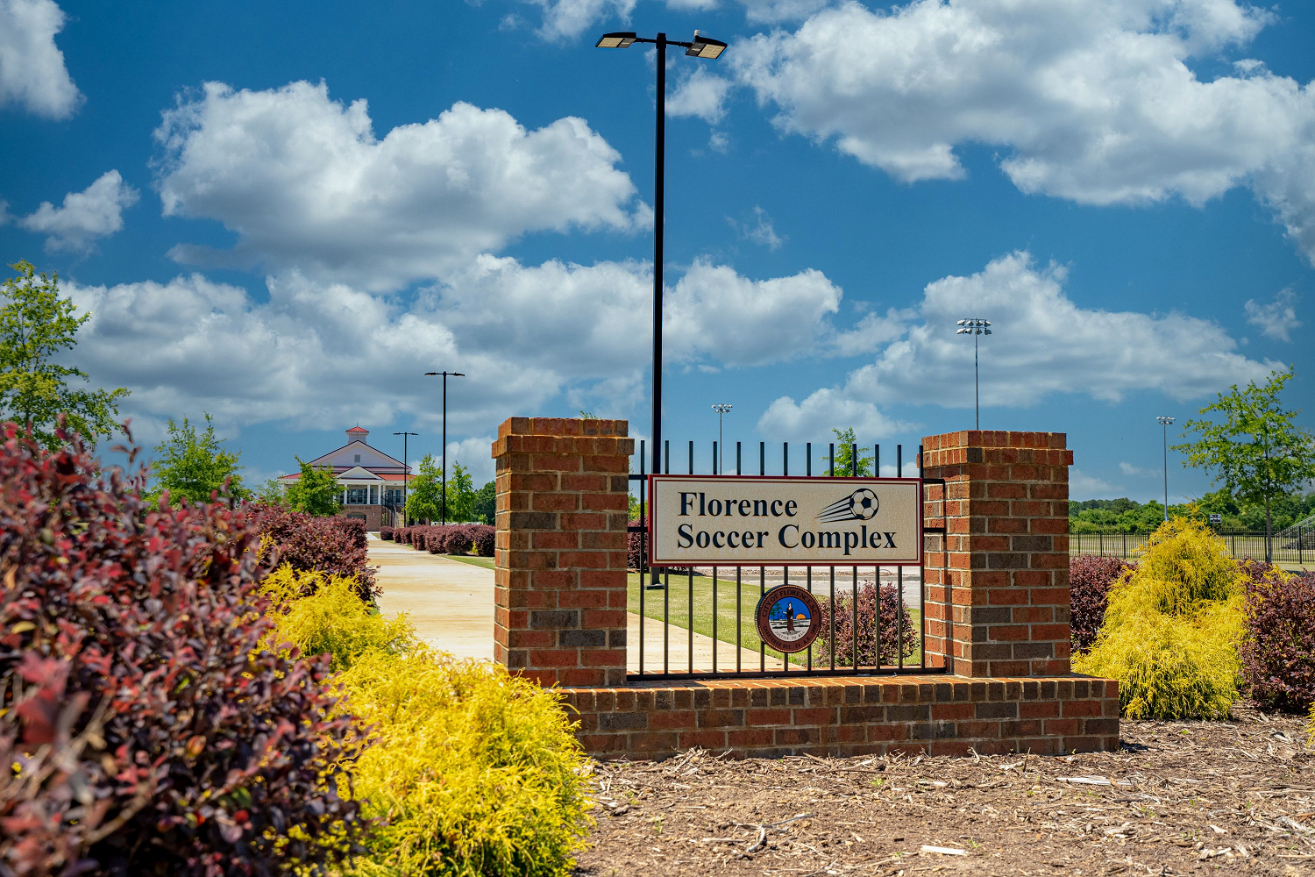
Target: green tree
(485, 507)
(315, 492)
(845, 442)
(36, 324)
(460, 495)
(195, 465)
(424, 501)
(1256, 450)
(271, 493)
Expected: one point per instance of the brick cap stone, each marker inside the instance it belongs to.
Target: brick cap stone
(974, 438)
(563, 426)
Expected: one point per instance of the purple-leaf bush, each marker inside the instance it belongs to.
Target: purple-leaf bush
(386, 534)
(332, 544)
(144, 727)
(1278, 648)
(1089, 581)
(893, 625)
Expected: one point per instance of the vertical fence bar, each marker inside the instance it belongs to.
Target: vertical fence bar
(854, 606)
(666, 621)
(831, 638)
(922, 575)
(808, 470)
(899, 575)
(689, 618)
(762, 570)
(853, 471)
(643, 554)
(785, 570)
(739, 602)
(714, 619)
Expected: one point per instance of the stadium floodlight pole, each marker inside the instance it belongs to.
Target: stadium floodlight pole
(721, 408)
(975, 326)
(1164, 421)
(445, 375)
(700, 47)
(406, 471)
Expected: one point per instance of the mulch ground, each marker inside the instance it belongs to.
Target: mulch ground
(1232, 797)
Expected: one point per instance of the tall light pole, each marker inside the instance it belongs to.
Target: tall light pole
(975, 326)
(1164, 421)
(445, 375)
(721, 408)
(406, 471)
(700, 47)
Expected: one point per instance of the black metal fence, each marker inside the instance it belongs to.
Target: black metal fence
(1298, 548)
(699, 622)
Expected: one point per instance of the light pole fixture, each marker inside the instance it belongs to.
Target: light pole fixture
(699, 47)
(975, 326)
(1164, 420)
(721, 408)
(445, 375)
(406, 471)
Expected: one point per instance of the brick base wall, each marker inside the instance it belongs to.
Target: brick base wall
(938, 715)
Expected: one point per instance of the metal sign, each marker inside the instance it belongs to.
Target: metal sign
(1216, 519)
(789, 619)
(737, 520)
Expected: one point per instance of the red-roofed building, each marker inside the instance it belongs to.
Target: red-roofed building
(371, 480)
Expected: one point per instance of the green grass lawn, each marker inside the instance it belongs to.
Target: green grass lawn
(485, 562)
(677, 596)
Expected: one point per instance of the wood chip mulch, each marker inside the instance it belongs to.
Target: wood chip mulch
(1233, 797)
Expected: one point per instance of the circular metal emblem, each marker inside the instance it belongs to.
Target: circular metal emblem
(789, 619)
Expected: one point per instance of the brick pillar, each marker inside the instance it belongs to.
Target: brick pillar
(560, 560)
(997, 589)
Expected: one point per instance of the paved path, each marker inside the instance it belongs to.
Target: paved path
(451, 605)
(450, 602)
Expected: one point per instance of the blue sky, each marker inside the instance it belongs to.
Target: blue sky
(283, 214)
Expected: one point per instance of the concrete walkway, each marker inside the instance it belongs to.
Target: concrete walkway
(450, 603)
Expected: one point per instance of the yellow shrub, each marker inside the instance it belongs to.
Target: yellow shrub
(1172, 629)
(320, 613)
(473, 771)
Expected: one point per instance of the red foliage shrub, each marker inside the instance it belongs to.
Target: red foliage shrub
(152, 732)
(458, 540)
(386, 534)
(1089, 582)
(333, 544)
(485, 537)
(1278, 650)
(867, 626)
(634, 548)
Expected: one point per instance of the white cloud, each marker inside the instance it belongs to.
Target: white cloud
(1094, 102)
(715, 314)
(758, 230)
(700, 94)
(772, 11)
(32, 71)
(826, 409)
(95, 212)
(571, 18)
(306, 185)
(1043, 343)
(1082, 486)
(1277, 318)
(474, 453)
(1136, 471)
(317, 354)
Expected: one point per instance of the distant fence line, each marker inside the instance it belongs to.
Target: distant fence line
(1286, 548)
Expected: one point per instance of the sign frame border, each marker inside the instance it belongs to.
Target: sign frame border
(794, 563)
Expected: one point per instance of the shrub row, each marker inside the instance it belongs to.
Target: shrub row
(151, 732)
(1277, 645)
(468, 770)
(330, 544)
(457, 539)
(386, 533)
(880, 630)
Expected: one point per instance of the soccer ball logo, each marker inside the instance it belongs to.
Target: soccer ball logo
(861, 505)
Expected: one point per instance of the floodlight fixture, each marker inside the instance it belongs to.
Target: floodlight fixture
(706, 47)
(974, 326)
(1165, 420)
(619, 40)
(446, 375)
